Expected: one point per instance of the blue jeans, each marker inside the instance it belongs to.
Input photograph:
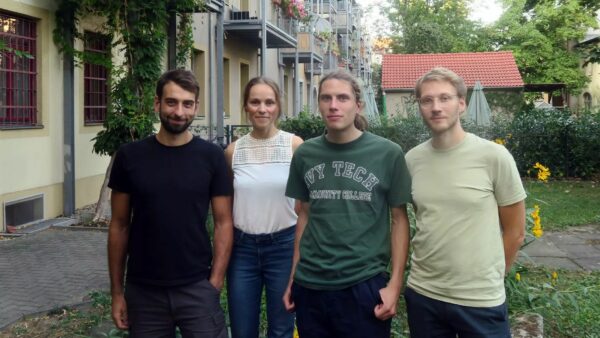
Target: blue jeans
(257, 261)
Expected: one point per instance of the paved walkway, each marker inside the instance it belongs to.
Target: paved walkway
(49, 269)
(56, 267)
(575, 249)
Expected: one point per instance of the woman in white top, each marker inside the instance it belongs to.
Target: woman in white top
(264, 218)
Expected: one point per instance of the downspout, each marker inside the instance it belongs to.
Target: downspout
(69, 128)
(220, 80)
(263, 47)
(312, 66)
(211, 100)
(172, 41)
(296, 81)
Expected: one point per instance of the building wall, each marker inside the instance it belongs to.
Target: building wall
(399, 104)
(592, 70)
(32, 159)
(501, 101)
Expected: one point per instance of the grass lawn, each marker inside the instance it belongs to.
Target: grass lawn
(569, 304)
(565, 203)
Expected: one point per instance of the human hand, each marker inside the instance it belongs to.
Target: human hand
(119, 312)
(217, 283)
(387, 309)
(287, 299)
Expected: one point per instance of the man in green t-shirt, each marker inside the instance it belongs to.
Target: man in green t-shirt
(470, 212)
(349, 182)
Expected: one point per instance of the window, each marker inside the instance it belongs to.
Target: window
(95, 79)
(587, 101)
(18, 73)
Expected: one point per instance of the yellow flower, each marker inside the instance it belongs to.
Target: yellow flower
(536, 230)
(518, 277)
(554, 277)
(543, 172)
(500, 141)
(296, 335)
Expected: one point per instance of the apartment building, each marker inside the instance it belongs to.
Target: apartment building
(50, 111)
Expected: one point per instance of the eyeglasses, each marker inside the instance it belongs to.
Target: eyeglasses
(427, 101)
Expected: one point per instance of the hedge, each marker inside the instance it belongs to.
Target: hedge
(569, 145)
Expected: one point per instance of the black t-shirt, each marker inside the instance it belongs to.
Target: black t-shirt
(170, 190)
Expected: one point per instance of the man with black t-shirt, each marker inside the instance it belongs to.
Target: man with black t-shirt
(161, 189)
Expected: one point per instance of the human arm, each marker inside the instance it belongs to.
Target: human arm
(300, 226)
(399, 243)
(229, 158)
(512, 221)
(296, 142)
(118, 237)
(223, 239)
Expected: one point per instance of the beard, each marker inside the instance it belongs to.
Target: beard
(174, 129)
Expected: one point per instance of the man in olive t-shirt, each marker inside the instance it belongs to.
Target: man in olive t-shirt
(470, 212)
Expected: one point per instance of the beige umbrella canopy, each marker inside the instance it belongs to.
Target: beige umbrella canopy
(478, 109)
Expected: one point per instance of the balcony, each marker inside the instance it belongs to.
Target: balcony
(305, 53)
(247, 27)
(343, 23)
(215, 6)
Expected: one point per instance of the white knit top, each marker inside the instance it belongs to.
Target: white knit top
(260, 172)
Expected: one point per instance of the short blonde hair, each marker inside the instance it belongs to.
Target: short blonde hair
(442, 74)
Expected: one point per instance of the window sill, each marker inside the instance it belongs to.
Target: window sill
(37, 126)
(93, 124)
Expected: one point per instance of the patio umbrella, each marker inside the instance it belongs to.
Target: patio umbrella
(478, 110)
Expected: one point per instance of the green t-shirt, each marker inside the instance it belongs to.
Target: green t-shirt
(350, 188)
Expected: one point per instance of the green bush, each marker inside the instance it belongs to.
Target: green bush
(407, 132)
(568, 145)
(305, 125)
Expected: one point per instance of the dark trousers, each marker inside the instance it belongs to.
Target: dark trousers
(154, 312)
(429, 317)
(347, 313)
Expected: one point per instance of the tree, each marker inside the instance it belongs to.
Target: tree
(139, 28)
(435, 26)
(541, 34)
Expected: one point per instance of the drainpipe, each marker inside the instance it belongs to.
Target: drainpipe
(211, 63)
(220, 80)
(172, 41)
(69, 130)
(263, 47)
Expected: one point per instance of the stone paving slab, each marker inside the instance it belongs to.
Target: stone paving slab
(590, 263)
(49, 269)
(542, 248)
(557, 262)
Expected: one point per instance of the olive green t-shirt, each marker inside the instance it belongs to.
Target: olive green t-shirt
(458, 252)
(350, 188)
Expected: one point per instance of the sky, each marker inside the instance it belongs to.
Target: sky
(486, 11)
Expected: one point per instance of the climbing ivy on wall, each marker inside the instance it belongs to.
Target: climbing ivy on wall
(138, 30)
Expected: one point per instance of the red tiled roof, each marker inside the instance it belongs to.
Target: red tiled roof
(492, 69)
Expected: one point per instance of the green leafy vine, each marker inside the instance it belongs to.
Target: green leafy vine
(139, 29)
